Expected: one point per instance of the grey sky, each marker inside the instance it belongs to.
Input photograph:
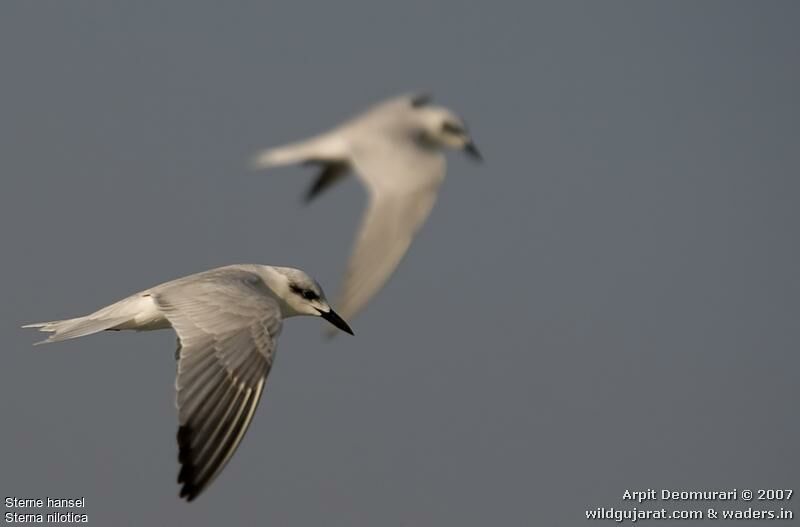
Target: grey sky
(609, 302)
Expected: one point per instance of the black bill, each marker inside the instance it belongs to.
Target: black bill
(472, 151)
(336, 320)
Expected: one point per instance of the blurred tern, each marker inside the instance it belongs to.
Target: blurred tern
(396, 150)
(228, 321)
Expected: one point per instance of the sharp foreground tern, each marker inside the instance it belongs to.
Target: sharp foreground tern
(396, 149)
(228, 321)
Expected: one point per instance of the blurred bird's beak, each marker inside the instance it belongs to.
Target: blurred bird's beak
(472, 151)
(336, 320)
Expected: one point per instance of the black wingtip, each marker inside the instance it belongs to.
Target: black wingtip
(309, 195)
(332, 172)
(189, 491)
(187, 494)
(187, 474)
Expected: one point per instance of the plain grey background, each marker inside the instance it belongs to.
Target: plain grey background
(610, 302)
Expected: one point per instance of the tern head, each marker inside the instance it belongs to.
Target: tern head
(443, 128)
(302, 295)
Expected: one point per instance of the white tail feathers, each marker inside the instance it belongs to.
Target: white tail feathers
(75, 327)
(135, 312)
(321, 148)
(274, 157)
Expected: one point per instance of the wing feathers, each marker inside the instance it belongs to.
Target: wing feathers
(226, 326)
(331, 173)
(403, 180)
(388, 227)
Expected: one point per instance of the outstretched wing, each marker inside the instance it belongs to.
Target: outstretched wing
(402, 180)
(227, 323)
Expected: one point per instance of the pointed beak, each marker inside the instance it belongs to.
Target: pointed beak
(472, 151)
(336, 320)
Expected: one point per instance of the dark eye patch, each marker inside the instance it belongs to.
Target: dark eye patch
(308, 294)
(452, 128)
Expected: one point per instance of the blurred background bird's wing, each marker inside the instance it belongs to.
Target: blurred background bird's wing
(402, 180)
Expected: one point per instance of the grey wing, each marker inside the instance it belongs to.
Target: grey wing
(403, 183)
(227, 325)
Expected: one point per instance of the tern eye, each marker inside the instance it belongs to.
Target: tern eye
(453, 129)
(308, 294)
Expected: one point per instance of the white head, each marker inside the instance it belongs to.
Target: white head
(300, 294)
(442, 128)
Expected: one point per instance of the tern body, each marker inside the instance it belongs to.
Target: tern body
(396, 149)
(227, 320)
